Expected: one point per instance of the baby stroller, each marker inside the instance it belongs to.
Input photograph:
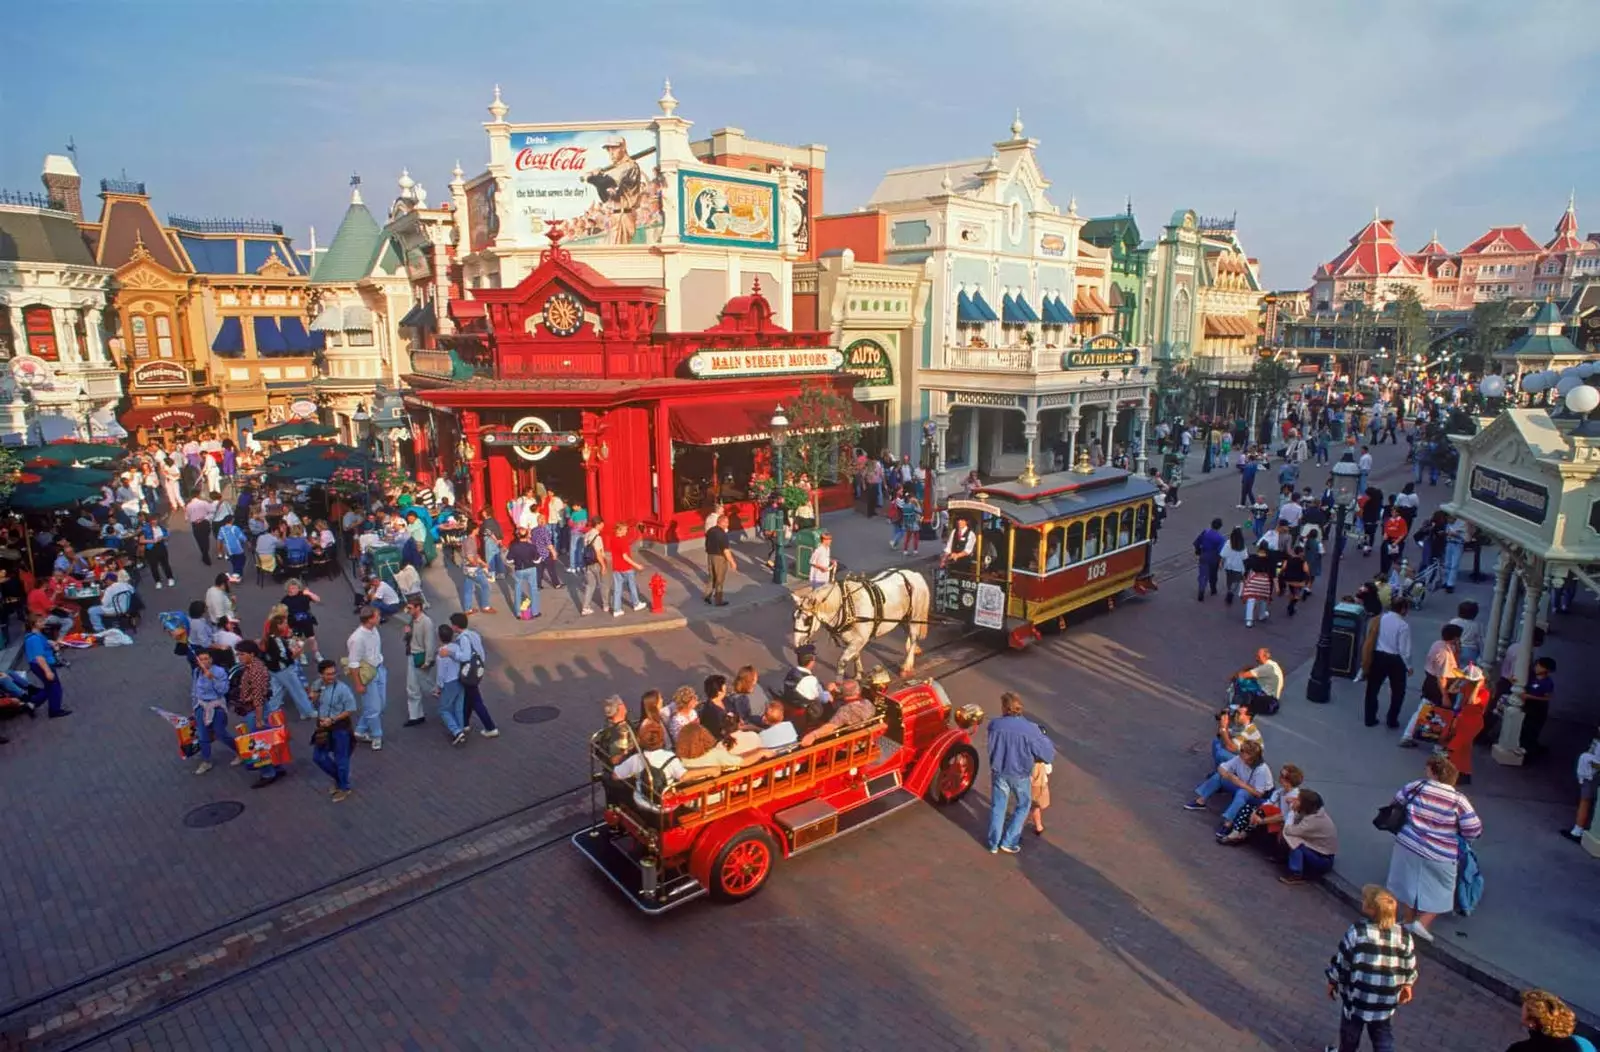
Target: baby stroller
(1246, 691)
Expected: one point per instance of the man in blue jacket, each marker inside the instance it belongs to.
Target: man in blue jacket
(1208, 551)
(1015, 745)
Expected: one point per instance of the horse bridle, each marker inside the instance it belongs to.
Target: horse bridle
(835, 628)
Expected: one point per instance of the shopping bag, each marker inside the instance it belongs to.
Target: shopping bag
(1433, 722)
(263, 748)
(188, 745)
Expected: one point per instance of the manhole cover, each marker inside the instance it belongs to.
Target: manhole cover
(213, 814)
(537, 714)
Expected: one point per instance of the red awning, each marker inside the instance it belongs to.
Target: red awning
(746, 420)
(187, 414)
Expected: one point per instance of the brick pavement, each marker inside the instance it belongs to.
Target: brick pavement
(907, 934)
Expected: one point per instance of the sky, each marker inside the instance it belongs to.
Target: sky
(1452, 115)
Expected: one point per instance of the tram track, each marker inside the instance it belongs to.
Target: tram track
(134, 992)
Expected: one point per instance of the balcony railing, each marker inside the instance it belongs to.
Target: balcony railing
(223, 226)
(447, 365)
(121, 186)
(1018, 359)
(28, 199)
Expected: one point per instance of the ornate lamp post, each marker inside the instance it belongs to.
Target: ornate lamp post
(930, 454)
(1345, 476)
(780, 432)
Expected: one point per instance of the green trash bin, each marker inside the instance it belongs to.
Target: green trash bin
(805, 542)
(385, 562)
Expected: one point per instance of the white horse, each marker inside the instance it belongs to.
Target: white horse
(854, 612)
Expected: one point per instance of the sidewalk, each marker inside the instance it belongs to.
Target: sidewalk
(860, 544)
(1530, 929)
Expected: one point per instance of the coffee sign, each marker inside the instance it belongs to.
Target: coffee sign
(160, 374)
(868, 361)
(716, 363)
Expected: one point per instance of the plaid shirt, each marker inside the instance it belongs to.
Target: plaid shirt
(255, 687)
(1370, 967)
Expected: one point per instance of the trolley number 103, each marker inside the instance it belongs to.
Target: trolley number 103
(1096, 571)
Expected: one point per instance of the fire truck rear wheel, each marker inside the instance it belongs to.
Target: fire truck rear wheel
(743, 865)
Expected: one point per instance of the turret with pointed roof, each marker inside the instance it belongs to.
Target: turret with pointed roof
(1567, 239)
(356, 246)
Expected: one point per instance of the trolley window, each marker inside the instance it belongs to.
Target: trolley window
(1075, 543)
(1141, 523)
(1054, 549)
(1091, 538)
(1110, 544)
(1125, 530)
(1025, 551)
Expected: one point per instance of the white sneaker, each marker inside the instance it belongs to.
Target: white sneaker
(158, 586)
(616, 613)
(171, 583)
(491, 578)
(638, 606)
(205, 765)
(377, 744)
(1415, 928)
(489, 734)
(585, 612)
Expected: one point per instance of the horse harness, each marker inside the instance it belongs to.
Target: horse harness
(845, 617)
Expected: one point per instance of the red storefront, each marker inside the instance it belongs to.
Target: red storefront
(657, 425)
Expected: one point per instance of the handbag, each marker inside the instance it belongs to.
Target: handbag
(1392, 816)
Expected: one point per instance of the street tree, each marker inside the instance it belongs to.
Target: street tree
(820, 445)
(1492, 320)
(1411, 324)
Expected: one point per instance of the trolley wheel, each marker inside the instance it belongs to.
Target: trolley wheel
(958, 769)
(743, 865)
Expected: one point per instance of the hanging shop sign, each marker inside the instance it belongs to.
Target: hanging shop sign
(868, 361)
(1526, 500)
(302, 409)
(33, 373)
(160, 374)
(531, 438)
(1100, 352)
(1053, 245)
(716, 363)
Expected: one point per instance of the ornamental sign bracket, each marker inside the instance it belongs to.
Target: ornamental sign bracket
(716, 363)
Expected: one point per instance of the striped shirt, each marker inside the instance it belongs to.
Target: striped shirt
(1434, 817)
(1369, 968)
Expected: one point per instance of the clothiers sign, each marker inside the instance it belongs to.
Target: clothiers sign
(1514, 496)
(716, 363)
(160, 374)
(1101, 352)
(868, 361)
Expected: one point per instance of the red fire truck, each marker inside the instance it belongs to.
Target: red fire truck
(724, 832)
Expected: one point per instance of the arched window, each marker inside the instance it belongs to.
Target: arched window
(1025, 550)
(1110, 544)
(1180, 316)
(41, 333)
(1091, 539)
(1125, 534)
(1075, 543)
(1141, 523)
(1054, 550)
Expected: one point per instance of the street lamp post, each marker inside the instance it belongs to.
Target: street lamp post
(930, 454)
(780, 432)
(1345, 476)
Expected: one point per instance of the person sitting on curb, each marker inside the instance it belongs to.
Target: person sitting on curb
(1311, 838)
(1268, 675)
(1268, 815)
(1234, 728)
(1246, 776)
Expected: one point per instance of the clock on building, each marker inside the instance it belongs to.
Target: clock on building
(562, 314)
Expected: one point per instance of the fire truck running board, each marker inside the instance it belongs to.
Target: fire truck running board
(839, 823)
(616, 857)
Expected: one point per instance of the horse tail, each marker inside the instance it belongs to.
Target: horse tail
(920, 605)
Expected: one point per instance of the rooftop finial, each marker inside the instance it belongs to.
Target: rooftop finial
(355, 188)
(497, 108)
(1072, 205)
(1016, 125)
(1130, 204)
(945, 184)
(456, 173)
(1377, 215)
(668, 104)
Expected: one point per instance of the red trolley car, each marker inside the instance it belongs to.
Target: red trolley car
(1046, 549)
(724, 833)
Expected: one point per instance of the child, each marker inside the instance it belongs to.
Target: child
(1372, 973)
(1588, 779)
(1536, 704)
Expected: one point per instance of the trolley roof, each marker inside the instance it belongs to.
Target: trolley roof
(1058, 496)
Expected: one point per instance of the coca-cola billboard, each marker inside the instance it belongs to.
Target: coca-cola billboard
(603, 186)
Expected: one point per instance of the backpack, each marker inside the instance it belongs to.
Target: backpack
(590, 556)
(473, 668)
(892, 513)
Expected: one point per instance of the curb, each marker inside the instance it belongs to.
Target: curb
(602, 632)
(1474, 969)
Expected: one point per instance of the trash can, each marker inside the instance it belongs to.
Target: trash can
(385, 562)
(1349, 622)
(805, 542)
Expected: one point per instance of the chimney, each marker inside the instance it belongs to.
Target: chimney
(61, 184)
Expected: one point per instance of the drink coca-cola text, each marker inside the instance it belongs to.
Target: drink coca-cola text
(562, 159)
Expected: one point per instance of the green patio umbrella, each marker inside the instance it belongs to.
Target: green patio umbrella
(70, 451)
(69, 476)
(46, 496)
(296, 429)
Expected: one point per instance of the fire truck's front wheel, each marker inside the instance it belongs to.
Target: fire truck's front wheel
(957, 771)
(743, 865)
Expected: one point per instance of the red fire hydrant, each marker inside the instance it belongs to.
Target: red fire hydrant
(658, 594)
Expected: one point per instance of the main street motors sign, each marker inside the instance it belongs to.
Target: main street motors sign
(717, 363)
(1514, 496)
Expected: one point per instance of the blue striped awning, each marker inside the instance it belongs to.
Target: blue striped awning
(230, 339)
(1015, 310)
(295, 335)
(981, 305)
(966, 313)
(1056, 312)
(269, 338)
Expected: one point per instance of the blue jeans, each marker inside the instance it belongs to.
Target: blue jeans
(335, 759)
(1214, 785)
(271, 771)
(494, 555)
(1378, 1030)
(1452, 562)
(236, 561)
(50, 694)
(452, 698)
(373, 699)
(287, 681)
(472, 705)
(1001, 789)
(475, 582)
(526, 584)
(1361, 483)
(574, 542)
(1304, 862)
(1219, 754)
(215, 730)
(617, 579)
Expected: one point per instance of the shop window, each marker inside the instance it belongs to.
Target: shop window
(1012, 440)
(703, 475)
(1074, 543)
(139, 326)
(1125, 533)
(1025, 550)
(1091, 538)
(332, 339)
(359, 339)
(1054, 550)
(163, 336)
(7, 337)
(1141, 523)
(40, 325)
(958, 437)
